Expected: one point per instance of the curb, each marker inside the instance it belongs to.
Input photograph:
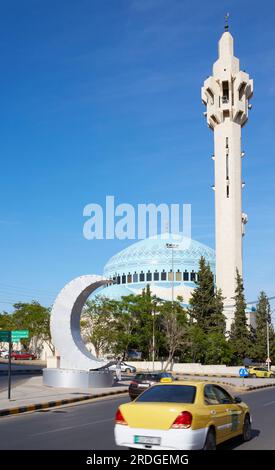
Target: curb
(208, 375)
(52, 404)
(21, 372)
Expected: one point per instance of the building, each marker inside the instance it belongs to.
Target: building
(151, 261)
(226, 95)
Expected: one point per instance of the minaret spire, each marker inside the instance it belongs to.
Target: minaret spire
(226, 25)
(226, 95)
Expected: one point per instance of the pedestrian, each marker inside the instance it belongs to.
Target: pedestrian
(118, 369)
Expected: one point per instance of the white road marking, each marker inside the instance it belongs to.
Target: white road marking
(72, 427)
(269, 403)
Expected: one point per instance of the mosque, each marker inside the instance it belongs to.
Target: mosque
(152, 262)
(172, 273)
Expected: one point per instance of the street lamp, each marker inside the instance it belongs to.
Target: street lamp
(267, 341)
(154, 313)
(172, 246)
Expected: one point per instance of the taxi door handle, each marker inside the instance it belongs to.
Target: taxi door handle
(213, 412)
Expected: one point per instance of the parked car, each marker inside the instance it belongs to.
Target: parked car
(4, 353)
(124, 367)
(144, 380)
(17, 355)
(134, 354)
(260, 372)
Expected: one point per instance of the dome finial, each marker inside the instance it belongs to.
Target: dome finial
(226, 25)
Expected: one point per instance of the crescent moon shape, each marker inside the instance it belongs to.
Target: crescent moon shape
(65, 323)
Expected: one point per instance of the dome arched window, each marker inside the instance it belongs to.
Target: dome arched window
(118, 280)
(193, 276)
(186, 275)
(123, 279)
(129, 278)
(156, 276)
(163, 275)
(149, 276)
(178, 275)
(142, 277)
(135, 277)
(170, 275)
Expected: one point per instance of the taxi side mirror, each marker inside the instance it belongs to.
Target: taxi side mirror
(237, 400)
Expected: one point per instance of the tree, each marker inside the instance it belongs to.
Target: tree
(206, 304)
(174, 321)
(36, 319)
(218, 349)
(263, 321)
(239, 334)
(126, 325)
(97, 324)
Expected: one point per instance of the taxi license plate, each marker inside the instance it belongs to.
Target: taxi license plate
(147, 440)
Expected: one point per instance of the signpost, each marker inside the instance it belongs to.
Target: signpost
(243, 372)
(10, 337)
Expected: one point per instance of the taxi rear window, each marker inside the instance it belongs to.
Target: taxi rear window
(169, 394)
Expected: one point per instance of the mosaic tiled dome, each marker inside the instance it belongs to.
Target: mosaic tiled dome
(153, 254)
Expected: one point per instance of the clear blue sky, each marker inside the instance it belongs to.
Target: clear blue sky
(103, 97)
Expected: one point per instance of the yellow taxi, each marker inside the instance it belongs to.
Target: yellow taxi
(182, 415)
(260, 372)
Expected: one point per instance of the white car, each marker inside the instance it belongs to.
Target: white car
(124, 367)
(4, 354)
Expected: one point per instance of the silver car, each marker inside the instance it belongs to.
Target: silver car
(124, 367)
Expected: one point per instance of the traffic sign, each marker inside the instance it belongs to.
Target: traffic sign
(16, 335)
(243, 372)
(5, 336)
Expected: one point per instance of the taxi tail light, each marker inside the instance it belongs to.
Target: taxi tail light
(183, 420)
(120, 418)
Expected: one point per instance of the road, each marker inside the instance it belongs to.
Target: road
(90, 426)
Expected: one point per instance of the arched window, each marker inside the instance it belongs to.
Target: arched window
(178, 275)
(123, 279)
(186, 276)
(135, 277)
(142, 277)
(193, 276)
(118, 280)
(163, 276)
(129, 278)
(156, 276)
(170, 275)
(149, 276)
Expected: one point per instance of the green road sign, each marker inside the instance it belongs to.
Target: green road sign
(16, 335)
(5, 336)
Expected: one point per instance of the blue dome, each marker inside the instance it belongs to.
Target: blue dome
(152, 254)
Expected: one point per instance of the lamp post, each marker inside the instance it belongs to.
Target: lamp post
(172, 246)
(267, 341)
(154, 313)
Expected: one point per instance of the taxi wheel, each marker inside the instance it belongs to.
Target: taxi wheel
(247, 429)
(210, 441)
(254, 376)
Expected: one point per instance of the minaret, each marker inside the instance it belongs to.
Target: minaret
(226, 94)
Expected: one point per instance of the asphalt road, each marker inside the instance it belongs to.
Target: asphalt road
(90, 426)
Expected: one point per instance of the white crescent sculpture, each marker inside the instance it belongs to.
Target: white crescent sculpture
(65, 323)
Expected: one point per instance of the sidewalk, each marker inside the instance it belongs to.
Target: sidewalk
(30, 394)
(237, 384)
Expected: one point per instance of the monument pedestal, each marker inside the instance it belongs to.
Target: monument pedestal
(70, 378)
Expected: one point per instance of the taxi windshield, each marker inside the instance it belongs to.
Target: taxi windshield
(169, 394)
